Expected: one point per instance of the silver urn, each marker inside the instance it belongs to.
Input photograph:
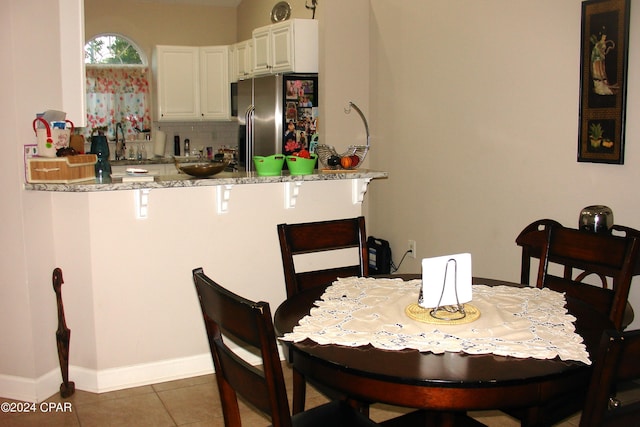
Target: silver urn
(596, 218)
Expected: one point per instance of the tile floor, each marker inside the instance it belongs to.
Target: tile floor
(189, 402)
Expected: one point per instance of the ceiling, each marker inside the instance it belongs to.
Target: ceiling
(223, 3)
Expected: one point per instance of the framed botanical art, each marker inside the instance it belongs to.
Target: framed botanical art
(603, 71)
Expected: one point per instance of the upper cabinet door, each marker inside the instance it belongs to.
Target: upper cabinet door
(214, 82)
(243, 60)
(262, 51)
(177, 75)
(282, 48)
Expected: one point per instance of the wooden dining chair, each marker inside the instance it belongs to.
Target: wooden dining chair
(250, 323)
(568, 258)
(322, 236)
(319, 238)
(616, 361)
(590, 254)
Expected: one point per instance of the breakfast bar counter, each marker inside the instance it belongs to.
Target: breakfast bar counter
(127, 250)
(223, 178)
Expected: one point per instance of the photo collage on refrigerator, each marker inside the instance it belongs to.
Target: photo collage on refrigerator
(300, 114)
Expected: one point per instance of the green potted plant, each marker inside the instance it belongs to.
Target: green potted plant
(595, 134)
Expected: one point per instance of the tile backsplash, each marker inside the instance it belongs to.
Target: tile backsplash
(200, 134)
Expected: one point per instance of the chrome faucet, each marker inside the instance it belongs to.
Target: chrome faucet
(120, 144)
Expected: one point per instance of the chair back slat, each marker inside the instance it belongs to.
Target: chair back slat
(323, 235)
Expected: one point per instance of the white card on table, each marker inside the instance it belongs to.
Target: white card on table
(458, 277)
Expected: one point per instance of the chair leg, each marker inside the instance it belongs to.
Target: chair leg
(299, 392)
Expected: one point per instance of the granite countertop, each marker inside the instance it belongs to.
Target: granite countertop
(223, 178)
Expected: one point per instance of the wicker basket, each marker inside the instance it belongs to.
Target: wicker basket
(63, 170)
(326, 152)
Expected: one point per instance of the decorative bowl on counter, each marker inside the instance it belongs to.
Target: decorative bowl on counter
(300, 165)
(269, 165)
(202, 169)
(350, 159)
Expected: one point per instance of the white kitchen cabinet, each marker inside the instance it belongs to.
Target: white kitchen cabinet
(177, 77)
(243, 59)
(192, 83)
(290, 46)
(262, 50)
(214, 83)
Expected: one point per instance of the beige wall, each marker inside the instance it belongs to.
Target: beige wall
(30, 83)
(344, 71)
(16, 354)
(474, 113)
(161, 23)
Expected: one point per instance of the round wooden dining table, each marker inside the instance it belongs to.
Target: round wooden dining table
(449, 383)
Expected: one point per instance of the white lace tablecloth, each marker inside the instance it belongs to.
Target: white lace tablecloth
(518, 322)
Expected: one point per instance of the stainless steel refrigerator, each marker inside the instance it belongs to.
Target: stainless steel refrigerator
(276, 114)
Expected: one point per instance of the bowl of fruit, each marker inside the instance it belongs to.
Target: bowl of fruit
(301, 162)
(351, 159)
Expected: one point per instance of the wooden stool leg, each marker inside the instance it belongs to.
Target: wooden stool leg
(63, 335)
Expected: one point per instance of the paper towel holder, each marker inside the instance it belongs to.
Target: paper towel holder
(450, 309)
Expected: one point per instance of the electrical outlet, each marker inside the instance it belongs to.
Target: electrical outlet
(412, 248)
(30, 150)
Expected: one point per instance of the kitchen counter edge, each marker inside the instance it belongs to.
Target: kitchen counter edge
(223, 178)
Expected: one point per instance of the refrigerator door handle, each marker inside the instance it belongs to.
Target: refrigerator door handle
(248, 156)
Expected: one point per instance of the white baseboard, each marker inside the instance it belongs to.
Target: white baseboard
(40, 389)
(139, 375)
(29, 389)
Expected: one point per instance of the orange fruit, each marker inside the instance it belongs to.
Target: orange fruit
(346, 162)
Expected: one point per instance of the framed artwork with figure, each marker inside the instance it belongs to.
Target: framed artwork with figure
(603, 80)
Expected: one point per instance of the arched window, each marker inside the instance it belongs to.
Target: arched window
(117, 85)
(112, 49)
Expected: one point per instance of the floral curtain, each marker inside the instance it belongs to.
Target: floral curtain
(117, 94)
